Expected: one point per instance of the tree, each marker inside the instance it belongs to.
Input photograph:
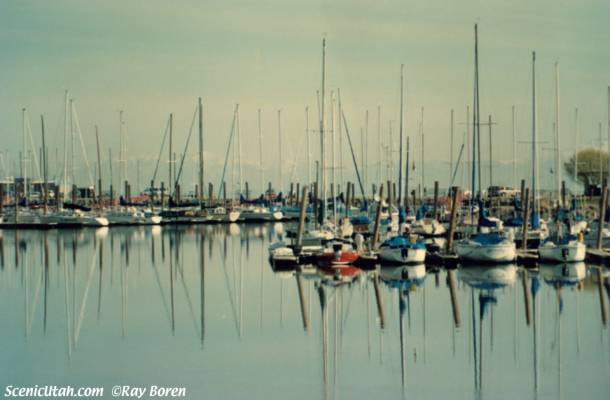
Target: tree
(590, 162)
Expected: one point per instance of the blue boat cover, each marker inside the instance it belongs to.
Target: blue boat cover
(483, 220)
(488, 238)
(403, 242)
(360, 220)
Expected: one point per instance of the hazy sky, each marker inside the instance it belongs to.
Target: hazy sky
(150, 58)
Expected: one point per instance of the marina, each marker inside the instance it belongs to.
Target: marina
(306, 200)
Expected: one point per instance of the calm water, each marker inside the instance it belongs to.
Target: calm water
(200, 307)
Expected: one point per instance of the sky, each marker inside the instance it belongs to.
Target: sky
(153, 58)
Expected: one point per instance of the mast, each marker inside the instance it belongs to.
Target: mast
(171, 124)
(122, 169)
(334, 183)
(308, 146)
(99, 167)
(401, 119)
(557, 136)
(279, 143)
(423, 182)
(514, 149)
(451, 150)
(341, 180)
(475, 124)
(239, 165)
(322, 149)
(406, 199)
(534, 147)
(200, 192)
(65, 180)
(24, 159)
(609, 131)
(260, 152)
(379, 160)
(576, 131)
(44, 168)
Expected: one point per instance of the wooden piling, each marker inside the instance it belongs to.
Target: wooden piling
(563, 194)
(603, 203)
(247, 191)
(452, 223)
(375, 239)
(291, 195)
(302, 214)
(526, 215)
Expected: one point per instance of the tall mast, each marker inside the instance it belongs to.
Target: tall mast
(514, 149)
(171, 123)
(322, 149)
(45, 188)
(25, 157)
(379, 159)
(308, 146)
(451, 150)
(576, 133)
(260, 152)
(423, 181)
(401, 119)
(240, 171)
(558, 136)
(534, 144)
(334, 183)
(279, 143)
(122, 171)
(340, 130)
(406, 199)
(476, 111)
(200, 192)
(65, 180)
(365, 168)
(99, 167)
(608, 132)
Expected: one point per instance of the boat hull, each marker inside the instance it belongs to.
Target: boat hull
(562, 253)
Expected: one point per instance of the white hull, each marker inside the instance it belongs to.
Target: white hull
(574, 251)
(470, 251)
(402, 256)
(428, 227)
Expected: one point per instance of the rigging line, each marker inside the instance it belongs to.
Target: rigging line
(188, 139)
(29, 131)
(224, 169)
(161, 150)
(457, 165)
(82, 144)
(349, 139)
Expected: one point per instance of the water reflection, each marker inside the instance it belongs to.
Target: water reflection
(201, 306)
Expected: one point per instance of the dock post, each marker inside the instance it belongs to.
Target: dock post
(247, 191)
(375, 239)
(348, 192)
(269, 191)
(177, 193)
(526, 215)
(1, 198)
(297, 200)
(74, 194)
(126, 190)
(522, 192)
(394, 201)
(389, 186)
(302, 214)
(454, 207)
(563, 194)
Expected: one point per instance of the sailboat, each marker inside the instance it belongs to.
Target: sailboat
(488, 247)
